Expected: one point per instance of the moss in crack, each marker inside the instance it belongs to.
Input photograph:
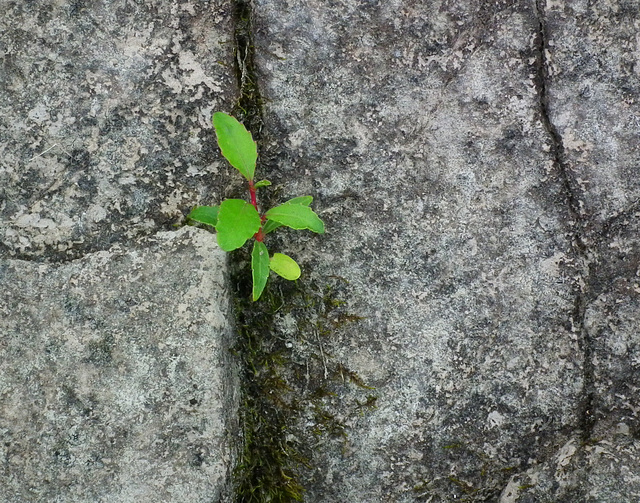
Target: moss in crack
(268, 465)
(249, 105)
(291, 385)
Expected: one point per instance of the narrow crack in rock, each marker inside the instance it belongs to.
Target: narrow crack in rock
(578, 221)
(46, 255)
(250, 102)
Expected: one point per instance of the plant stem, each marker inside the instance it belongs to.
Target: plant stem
(259, 236)
(252, 191)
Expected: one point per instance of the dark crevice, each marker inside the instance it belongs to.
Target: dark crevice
(579, 226)
(269, 460)
(249, 104)
(48, 254)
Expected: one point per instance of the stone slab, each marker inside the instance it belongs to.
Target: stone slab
(116, 380)
(422, 129)
(105, 119)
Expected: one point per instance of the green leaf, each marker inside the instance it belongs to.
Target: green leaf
(284, 266)
(296, 216)
(236, 144)
(303, 200)
(238, 220)
(204, 214)
(262, 183)
(259, 268)
(270, 225)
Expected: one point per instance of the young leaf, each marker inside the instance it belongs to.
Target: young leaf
(259, 268)
(296, 216)
(262, 183)
(284, 266)
(204, 214)
(270, 225)
(236, 144)
(238, 220)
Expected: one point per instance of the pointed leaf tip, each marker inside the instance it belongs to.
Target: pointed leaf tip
(259, 268)
(204, 214)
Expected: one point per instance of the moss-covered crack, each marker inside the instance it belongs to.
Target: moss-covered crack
(289, 380)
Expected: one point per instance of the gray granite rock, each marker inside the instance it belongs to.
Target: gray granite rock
(462, 189)
(476, 164)
(116, 380)
(105, 119)
(593, 96)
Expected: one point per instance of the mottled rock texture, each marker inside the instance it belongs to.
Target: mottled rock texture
(477, 167)
(116, 380)
(105, 118)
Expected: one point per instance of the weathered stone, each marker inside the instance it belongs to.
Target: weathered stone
(443, 164)
(593, 96)
(105, 119)
(116, 380)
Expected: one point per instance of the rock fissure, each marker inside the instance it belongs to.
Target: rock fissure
(250, 102)
(583, 260)
(267, 466)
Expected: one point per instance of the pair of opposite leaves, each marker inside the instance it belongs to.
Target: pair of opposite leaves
(236, 220)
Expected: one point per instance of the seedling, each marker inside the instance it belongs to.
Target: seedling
(236, 220)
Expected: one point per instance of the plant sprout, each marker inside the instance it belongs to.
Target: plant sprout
(236, 220)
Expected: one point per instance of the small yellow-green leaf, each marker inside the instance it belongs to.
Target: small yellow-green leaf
(262, 183)
(236, 144)
(204, 214)
(284, 266)
(238, 220)
(259, 268)
(296, 216)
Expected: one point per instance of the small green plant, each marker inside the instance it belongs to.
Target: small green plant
(236, 220)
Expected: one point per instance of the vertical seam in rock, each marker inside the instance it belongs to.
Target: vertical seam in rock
(268, 461)
(249, 105)
(582, 285)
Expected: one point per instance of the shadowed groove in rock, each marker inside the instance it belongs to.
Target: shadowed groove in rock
(266, 469)
(586, 418)
(249, 104)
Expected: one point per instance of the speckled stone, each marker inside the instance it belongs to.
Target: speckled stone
(594, 90)
(462, 192)
(105, 119)
(116, 380)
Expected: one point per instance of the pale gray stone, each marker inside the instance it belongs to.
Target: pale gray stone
(105, 119)
(116, 379)
(462, 192)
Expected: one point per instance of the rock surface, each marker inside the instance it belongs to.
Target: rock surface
(466, 182)
(476, 164)
(116, 380)
(105, 119)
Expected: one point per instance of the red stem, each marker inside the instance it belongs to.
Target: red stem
(252, 191)
(259, 236)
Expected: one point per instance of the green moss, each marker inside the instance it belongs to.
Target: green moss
(286, 399)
